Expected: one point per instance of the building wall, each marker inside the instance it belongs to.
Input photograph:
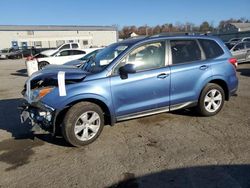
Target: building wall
(51, 39)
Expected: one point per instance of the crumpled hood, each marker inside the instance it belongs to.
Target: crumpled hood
(49, 77)
(71, 73)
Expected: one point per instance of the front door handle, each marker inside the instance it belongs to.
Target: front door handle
(203, 67)
(163, 75)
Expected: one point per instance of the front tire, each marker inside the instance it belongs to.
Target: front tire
(211, 100)
(83, 124)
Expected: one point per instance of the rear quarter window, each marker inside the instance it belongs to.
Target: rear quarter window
(210, 48)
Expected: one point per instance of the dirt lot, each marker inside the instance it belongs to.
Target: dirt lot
(168, 150)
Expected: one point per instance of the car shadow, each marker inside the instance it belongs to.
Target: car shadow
(244, 72)
(186, 112)
(10, 122)
(21, 72)
(223, 176)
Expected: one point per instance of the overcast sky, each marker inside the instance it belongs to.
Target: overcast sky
(120, 12)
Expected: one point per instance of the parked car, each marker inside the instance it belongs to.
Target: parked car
(72, 45)
(39, 61)
(130, 79)
(11, 53)
(241, 51)
(31, 51)
(245, 39)
(234, 40)
(75, 63)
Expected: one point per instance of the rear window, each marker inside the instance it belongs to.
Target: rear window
(74, 45)
(66, 46)
(210, 48)
(184, 51)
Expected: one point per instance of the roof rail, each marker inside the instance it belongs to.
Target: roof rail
(177, 34)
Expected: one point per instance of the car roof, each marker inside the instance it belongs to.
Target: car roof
(132, 41)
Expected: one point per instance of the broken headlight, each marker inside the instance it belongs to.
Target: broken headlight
(37, 94)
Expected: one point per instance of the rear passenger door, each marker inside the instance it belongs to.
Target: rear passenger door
(188, 71)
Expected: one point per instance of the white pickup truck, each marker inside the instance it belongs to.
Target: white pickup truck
(73, 45)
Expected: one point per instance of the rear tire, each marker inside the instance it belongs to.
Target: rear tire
(42, 64)
(83, 124)
(211, 100)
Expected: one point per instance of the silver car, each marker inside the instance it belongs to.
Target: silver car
(241, 51)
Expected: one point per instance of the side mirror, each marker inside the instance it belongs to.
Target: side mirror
(126, 69)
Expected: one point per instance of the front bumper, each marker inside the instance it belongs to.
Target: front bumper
(38, 114)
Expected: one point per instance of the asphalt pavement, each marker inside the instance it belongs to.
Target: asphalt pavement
(177, 149)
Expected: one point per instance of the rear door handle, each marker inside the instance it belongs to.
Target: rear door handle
(163, 75)
(203, 67)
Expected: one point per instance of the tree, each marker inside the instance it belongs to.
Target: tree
(205, 27)
(156, 30)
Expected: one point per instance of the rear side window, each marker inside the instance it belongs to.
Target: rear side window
(210, 48)
(184, 51)
(77, 52)
(74, 45)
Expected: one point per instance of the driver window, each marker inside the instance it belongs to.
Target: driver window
(146, 57)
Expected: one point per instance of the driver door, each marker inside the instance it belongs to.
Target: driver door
(147, 90)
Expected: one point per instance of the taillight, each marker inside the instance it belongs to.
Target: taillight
(233, 61)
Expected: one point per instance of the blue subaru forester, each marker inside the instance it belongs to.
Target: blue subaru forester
(130, 79)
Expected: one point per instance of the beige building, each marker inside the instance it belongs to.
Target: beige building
(52, 36)
(235, 27)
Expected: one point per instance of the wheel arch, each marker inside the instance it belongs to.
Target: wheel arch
(108, 116)
(222, 83)
(43, 61)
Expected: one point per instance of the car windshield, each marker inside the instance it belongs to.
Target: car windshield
(229, 46)
(104, 57)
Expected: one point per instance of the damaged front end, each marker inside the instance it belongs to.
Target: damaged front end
(37, 111)
(38, 114)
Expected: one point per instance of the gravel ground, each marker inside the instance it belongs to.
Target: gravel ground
(175, 149)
